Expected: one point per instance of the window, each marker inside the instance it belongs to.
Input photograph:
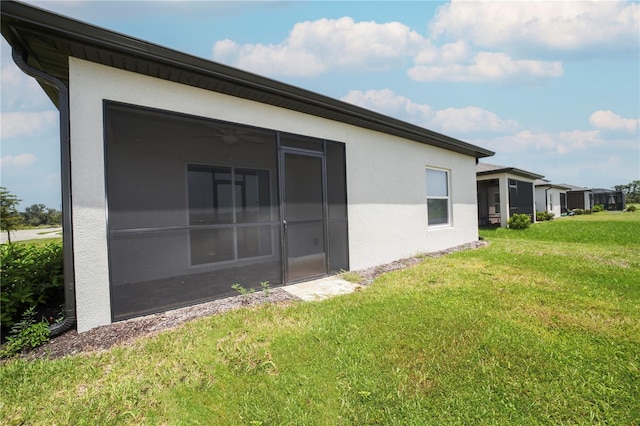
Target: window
(496, 202)
(231, 207)
(437, 197)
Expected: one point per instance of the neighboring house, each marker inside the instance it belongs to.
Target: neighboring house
(550, 197)
(579, 197)
(502, 192)
(611, 200)
(189, 176)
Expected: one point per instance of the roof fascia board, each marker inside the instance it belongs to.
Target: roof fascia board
(562, 187)
(525, 173)
(513, 171)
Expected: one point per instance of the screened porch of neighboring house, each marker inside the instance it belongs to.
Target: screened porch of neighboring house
(503, 192)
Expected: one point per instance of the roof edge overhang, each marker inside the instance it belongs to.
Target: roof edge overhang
(124, 52)
(511, 170)
(543, 183)
(561, 187)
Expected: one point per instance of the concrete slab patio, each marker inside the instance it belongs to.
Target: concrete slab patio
(321, 289)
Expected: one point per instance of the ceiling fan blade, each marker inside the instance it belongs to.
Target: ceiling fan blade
(252, 139)
(232, 135)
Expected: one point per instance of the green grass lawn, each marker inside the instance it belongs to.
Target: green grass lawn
(540, 327)
(38, 241)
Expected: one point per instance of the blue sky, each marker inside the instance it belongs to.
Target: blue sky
(551, 87)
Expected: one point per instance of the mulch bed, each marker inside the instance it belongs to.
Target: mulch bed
(125, 333)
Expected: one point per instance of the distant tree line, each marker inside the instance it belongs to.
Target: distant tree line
(39, 214)
(632, 191)
(34, 215)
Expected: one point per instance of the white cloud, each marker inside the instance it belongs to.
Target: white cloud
(451, 120)
(314, 47)
(607, 120)
(317, 47)
(567, 26)
(486, 66)
(600, 165)
(470, 119)
(22, 160)
(27, 123)
(387, 102)
(271, 59)
(459, 51)
(548, 142)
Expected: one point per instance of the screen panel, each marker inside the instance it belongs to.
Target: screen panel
(337, 197)
(192, 207)
(304, 213)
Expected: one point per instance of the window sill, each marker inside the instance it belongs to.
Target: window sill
(439, 227)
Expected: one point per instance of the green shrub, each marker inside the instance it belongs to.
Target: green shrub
(25, 334)
(581, 211)
(541, 216)
(631, 208)
(598, 208)
(519, 221)
(31, 276)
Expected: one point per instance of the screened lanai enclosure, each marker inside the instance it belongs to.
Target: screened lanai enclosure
(521, 198)
(489, 202)
(491, 205)
(611, 200)
(196, 205)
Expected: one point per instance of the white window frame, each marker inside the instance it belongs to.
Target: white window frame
(439, 197)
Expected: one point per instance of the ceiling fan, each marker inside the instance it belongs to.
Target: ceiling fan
(231, 136)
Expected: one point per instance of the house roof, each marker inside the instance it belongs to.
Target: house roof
(576, 188)
(545, 182)
(488, 169)
(49, 39)
(603, 191)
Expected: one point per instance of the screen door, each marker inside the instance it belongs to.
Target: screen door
(304, 216)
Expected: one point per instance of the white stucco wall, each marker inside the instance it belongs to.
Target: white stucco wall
(386, 182)
(387, 199)
(588, 200)
(543, 203)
